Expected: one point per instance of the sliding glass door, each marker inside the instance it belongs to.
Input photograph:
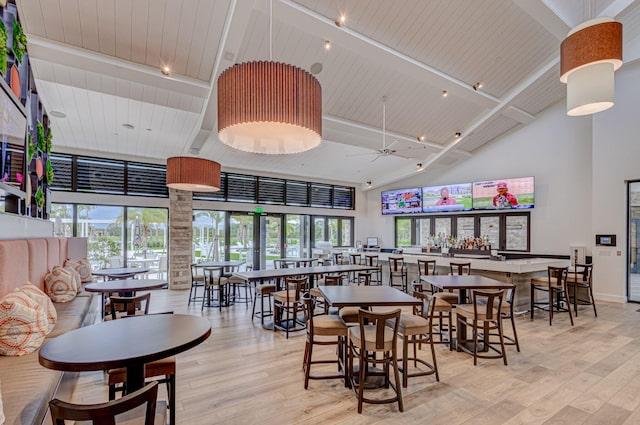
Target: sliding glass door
(633, 254)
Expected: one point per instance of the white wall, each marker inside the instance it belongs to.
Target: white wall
(555, 149)
(14, 226)
(616, 159)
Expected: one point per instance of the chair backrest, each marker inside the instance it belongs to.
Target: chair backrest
(583, 270)
(163, 263)
(426, 267)
(105, 413)
(396, 264)
(372, 260)
(422, 309)
(309, 308)
(379, 320)
(287, 264)
(333, 280)
(557, 275)
(194, 272)
(460, 269)
(417, 286)
(276, 263)
(491, 299)
(337, 258)
(129, 304)
(298, 284)
(212, 275)
(355, 258)
(364, 279)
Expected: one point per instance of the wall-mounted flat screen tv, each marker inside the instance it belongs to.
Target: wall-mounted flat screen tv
(504, 194)
(450, 197)
(402, 201)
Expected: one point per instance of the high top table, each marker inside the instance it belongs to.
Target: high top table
(278, 274)
(120, 272)
(128, 343)
(366, 296)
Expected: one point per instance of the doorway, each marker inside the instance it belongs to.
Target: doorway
(633, 244)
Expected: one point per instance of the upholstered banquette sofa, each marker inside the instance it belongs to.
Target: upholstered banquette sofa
(26, 386)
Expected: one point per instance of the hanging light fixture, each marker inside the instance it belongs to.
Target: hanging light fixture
(193, 174)
(589, 56)
(269, 107)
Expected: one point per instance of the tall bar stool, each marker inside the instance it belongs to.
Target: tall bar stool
(197, 281)
(580, 278)
(555, 285)
(324, 329)
(215, 288)
(355, 258)
(262, 291)
(459, 269)
(373, 260)
(415, 329)
(426, 268)
(398, 269)
(287, 304)
(372, 342)
(328, 280)
(240, 288)
(483, 315)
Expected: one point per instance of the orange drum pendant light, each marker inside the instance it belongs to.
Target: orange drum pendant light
(193, 174)
(589, 56)
(269, 107)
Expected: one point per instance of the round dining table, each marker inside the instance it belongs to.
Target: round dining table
(128, 343)
(124, 286)
(119, 272)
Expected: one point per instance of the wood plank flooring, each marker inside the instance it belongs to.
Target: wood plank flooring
(586, 374)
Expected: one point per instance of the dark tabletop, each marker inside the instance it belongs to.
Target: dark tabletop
(299, 271)
(119, 343)
(126, 285)
(354, 296)
(465, 282)
(120, 271)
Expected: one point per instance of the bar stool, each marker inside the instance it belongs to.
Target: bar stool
(398, 269)
(372, 260)
(288, 303)
(239, 285)
(215, 288)
(262, 291)
(556, 286)
(427, 268)
(578, 279)
(197, 281)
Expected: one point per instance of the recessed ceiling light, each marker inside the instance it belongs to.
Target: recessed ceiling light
(477, 86)
(128, 126)
(445, 93)
(58, 114)
(421, 138)
(327, 45)
(341, 20)
(165, 70)
(369, 183)
(458, 134)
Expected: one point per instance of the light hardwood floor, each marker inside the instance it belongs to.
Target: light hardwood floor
(586, 374)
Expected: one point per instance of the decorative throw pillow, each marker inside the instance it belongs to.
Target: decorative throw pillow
(81, 266)
(43, 301)
(60, 285)
(23, 324)
(76, 278)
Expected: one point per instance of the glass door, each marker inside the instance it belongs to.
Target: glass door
(241, 237)
(270, 239)
(633, 254)
(297, 236)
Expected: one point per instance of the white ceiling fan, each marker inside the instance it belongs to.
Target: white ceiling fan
(386, 150)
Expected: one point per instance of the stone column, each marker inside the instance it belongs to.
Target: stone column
(180, 238)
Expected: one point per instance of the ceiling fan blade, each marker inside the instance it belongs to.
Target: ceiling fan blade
(374, 159)
(363, 154)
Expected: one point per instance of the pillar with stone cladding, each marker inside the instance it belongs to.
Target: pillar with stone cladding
(180, 238)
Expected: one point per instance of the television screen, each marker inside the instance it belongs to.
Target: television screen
(372, 241)
(451, 197)
(402, 201)
(503, 194)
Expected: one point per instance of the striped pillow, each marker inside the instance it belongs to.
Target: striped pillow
(43, 301)
(76, 278)
(23, 324)
(81, 266)
(60, 285)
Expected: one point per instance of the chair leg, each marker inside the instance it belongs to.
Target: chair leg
(394, 359)
(474, 330)
(550, 305)
(568, 307)
(363, 368)
(171, 387)
(532, 307)
(501, 336)
(308, 351)
(515, 334)
(405, 361)
(112, 392)
(593, 301)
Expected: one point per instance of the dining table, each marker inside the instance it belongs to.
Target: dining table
(464, 283)
(128, 343)
(366, 296)
(124, 286)
(297, 261)
(120, 272)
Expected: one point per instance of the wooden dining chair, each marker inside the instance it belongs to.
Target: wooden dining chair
(373, 343)
(197, 281)
(163, 371)
(128, 306)
(374, 261)
(328, 280)
(137, 405)
(288, 304)
(215, 288)
(426, 268)
(459, 269)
